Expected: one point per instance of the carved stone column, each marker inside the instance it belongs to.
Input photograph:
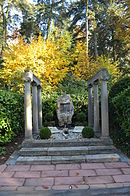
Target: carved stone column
(27, 108)
(96, 107)
(39, 107)
(35, 107)
(104, 108)
(90, 107)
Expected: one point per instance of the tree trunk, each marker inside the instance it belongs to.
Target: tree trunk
(49, 21)
(86, 28)
(95, 45)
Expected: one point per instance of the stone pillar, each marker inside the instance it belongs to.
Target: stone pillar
(96, 107)
(104, 109)
(39, 108)
(35, 107)
(28, 109)
(90, 107)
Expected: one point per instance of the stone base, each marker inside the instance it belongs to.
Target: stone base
(52, 152)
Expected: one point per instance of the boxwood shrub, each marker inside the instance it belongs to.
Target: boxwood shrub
(45, 133)
(87, 132)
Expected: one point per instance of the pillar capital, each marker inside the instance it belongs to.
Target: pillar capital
(39, 87)
(90, 86)
(96, 82)
(34, 84)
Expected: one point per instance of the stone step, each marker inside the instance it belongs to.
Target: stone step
(62, 143)
(98, 158)
(63, 151)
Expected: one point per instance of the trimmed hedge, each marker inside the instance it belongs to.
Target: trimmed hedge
(11, 115)
(45, 133)
(119, 112)
(87, 132)
(49, 102)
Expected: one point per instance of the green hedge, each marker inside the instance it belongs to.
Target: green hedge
(119, 112)
(11, 115)
(78, 92)
(49, 102)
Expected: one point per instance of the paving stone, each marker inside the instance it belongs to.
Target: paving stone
(99, 180)
(2, 167)
(92, 165)
(80, 186)
(8, 188)
(126, 184)
(54, 173)
(68, 180)
(67, 166)
(97, 158)
(42, 167)
(39, 182)
(6, 174)
(18, 168)
(82, 173)
(114, 185)
(61, 187)
(25, 188)
(126, 170)
(105, 172)
(27, 174)
(11, 181)
(41, 188)
(116, 165)
(97, 186)
(122, 178)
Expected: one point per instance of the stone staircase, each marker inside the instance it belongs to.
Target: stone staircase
(67, 151)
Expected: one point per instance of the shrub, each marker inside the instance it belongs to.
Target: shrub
(11, 115)
(122, 110)
(48, 116)
(45, 133)
(14, 109)
(2, 151)
(80, 118)
(5, 128)
(119, 86)
(119, 112)
(87, 132)
(50, 123)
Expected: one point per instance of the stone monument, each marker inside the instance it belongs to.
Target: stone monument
(65, 110)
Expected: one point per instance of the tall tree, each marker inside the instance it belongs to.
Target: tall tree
(48, 11)
(7, 17)
(87, 28)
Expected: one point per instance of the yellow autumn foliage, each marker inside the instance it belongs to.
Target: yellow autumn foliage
(48, 60)
(86, 67)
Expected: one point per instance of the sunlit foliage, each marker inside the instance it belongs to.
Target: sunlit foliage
(49, 60)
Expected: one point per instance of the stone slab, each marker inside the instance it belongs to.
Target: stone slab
(77, 129)
(55, 151)
(68, 159)
(33, 151)
(54, 129)
(34, 160)
(102, 158)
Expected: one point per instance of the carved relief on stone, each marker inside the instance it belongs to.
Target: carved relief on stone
(65, 110)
